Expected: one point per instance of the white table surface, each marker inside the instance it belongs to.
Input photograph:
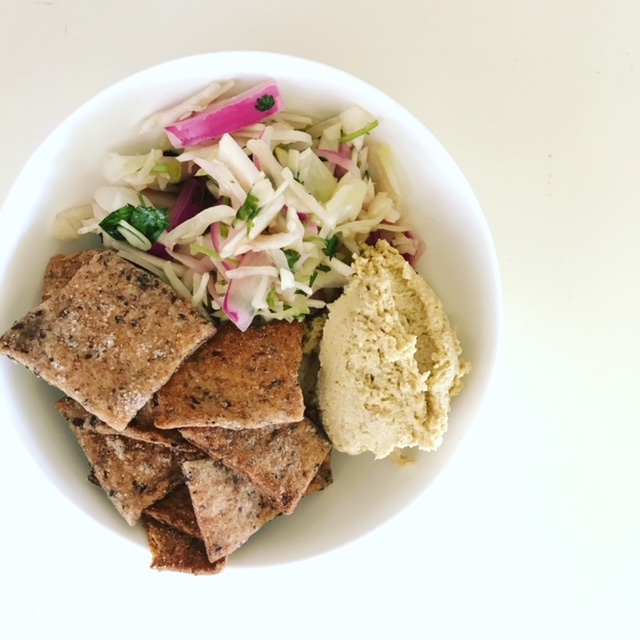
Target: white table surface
(533, 530)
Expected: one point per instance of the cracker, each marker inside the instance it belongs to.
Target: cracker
(279, 460)
(173, 550)
(61, 268)
(323, 478)
(134, 474)
(228, 508)
(109, 338)
(176, 510)
(138, 429)
(237, 380)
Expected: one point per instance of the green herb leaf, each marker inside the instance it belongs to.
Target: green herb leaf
(312, 277)
(149, 221)
(292, 257)
(248, 210)
(331, 246)
(265, 102)
(323, 267)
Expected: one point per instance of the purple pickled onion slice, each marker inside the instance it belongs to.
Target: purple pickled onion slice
(190, 202)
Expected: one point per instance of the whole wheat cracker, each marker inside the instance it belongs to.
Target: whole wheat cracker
(174, 550)
(229, 509)
(110, 338)
(61, 268)
(280, 461)
(176, 510)
(322, 479)
(134, 474)
(140, 428)
(237, 380)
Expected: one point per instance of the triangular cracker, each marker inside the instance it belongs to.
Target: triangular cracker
(173, 550)
(134, 474)
(280, 460)
(110, 338)
(138, 429)
(237, 380)
(176, 510)
(323, 478)
(228, 508)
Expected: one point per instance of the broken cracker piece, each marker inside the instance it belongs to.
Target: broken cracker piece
(229, 510)
(280, 461)
(173, 550)
(237, 380)
(110, 338)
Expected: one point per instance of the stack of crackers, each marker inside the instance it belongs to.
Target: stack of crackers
(199, 432)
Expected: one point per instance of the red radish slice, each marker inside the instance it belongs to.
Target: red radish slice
(227, 116)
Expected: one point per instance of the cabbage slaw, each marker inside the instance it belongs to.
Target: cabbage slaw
(265, 209)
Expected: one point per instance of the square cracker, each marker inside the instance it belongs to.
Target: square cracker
(237, 380)
(110, 338)
(133, 473)
(174, 550)
(279, 460)
(228, 508)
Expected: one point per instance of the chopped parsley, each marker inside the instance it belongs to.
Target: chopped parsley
(331, 246)
(292, 257)
(149, 221)
(265, 102)
(249, 210)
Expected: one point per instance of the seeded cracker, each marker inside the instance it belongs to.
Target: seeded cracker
(228, 508)
(134, 474)
(280, 460)
(323, 478)
(237, 380)
(173, 550)
(176, 510)
(109, 339)
(61, 268)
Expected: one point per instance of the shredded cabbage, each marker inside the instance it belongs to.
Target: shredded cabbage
(290, 202)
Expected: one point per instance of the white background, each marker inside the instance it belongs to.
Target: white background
(533, 529)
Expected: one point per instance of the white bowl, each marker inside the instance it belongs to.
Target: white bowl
(460, 263)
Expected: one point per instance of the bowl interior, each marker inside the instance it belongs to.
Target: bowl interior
(459, 263)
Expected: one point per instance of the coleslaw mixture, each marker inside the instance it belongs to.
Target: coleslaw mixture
(246, 209)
